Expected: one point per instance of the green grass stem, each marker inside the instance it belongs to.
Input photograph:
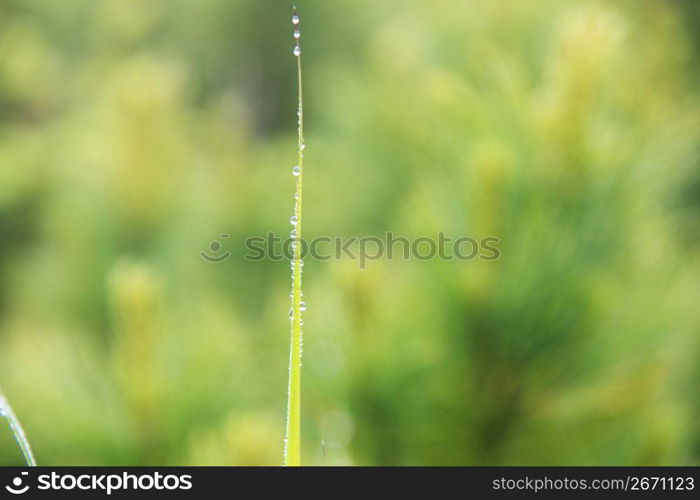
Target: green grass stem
(292, 454)
(17, 430)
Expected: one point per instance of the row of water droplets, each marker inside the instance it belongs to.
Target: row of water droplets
(295, 221)
(297, 34)
(297, 53)
(296, 172)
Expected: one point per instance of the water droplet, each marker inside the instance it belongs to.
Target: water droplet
(296, 170)
(297, 51)
(295, 19)
(291, 313)
(293, 233)
(302, 306)
(301, 262)
(293, 220)
(296, 196)
(297, 34)
(302, 146)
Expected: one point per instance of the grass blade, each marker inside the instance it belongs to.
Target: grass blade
(17, 430)
(292, 447)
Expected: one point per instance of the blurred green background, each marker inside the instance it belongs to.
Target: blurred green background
(132, 134)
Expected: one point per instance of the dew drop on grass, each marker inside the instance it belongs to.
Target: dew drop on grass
(296, 170)
(295, 19)
(297, 51)
(293, 233)
(297, 34)
(293, 220)
(302, 306)
(302, 146)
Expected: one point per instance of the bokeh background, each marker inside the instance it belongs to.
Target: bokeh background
(132, 134)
